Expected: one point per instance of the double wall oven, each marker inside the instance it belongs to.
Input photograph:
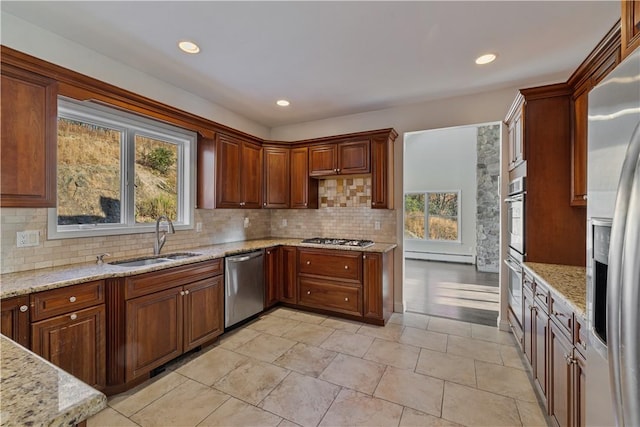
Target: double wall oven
(516, 252)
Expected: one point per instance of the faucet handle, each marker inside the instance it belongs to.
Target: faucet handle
(99, 257)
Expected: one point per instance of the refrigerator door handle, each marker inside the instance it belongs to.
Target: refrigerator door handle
(615, 277)
(630, 302)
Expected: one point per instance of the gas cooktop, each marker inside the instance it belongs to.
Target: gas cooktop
(339, 242)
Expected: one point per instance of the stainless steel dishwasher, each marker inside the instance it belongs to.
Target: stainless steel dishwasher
(244, 286)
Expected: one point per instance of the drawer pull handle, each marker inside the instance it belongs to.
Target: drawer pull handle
(72, 299)
(24, 308)
(308, 262)
(73, 316)
(583, 344)
(541, 294)
(558, 314)
(346, 299)
(346, 267)
(308, 292)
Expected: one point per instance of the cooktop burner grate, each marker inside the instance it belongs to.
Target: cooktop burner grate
(339, 242)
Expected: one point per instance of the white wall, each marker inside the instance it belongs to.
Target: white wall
(444, 160)
(35, 41)
(459, 111)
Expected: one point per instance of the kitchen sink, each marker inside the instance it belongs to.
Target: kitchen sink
(139, 262)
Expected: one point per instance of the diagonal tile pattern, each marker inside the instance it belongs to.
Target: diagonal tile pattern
(291, 368)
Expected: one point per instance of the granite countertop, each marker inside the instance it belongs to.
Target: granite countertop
(568, 281)
(35, 392)
(26, 282)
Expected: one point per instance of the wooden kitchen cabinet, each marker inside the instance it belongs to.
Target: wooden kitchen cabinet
(344, 158)
(377, 274)
(515, 126)
(276, 191)
(382, 170)
(560, 377)
(289, 289)
(201, 323)
(28, 138)
(238, 173)
(14, 319)
(273, 275)
(304, 189)
(68, 328)
(630, 23)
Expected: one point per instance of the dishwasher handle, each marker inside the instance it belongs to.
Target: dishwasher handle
(245, 257)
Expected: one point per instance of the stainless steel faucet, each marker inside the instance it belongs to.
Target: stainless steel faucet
(160, 240)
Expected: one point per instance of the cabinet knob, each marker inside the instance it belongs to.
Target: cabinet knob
(73, 316)
(364, 257)
(181, 292)
(308, 262)
(584, 197)
(308, 292)
(24, 308)
(72, 299)
(305, 204)
(338, 170)
(186, 292)
(346, 267)
(264, 204)
(373, 203)
(346, 299)
(268, 252)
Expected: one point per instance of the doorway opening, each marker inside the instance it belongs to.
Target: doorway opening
(451, 222)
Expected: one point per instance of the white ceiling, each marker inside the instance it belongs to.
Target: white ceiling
(333, 58)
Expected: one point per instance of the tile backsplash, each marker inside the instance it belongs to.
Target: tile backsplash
(345, 212)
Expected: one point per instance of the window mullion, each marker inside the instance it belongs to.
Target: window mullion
(130, 180)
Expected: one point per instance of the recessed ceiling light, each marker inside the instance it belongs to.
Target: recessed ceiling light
(283, 102)
(485, 59)
(189, 47)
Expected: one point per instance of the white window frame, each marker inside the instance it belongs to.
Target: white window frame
(426, 216)
(131, 125)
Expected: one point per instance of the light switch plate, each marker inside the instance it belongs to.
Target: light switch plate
(28, 238)
(198, 227)
(376, 225)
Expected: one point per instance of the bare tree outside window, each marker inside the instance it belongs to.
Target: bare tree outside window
(431, 216)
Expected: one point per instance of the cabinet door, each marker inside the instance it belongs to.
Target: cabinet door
(304, 190)
(289, 275)
(76, 342)
(15, 319)
(276, 178)
(228, 185)
(579, 151)
(381, 173)
(323, 160)
(203, 311)
(273, 276)
(206, 180)
(354, 157)
(540, 321)
(559, 395)
(373, 286)
(27, 139)
(630, 24)
(579, 389)
(154, 331)
(251, 176)
(527, 325)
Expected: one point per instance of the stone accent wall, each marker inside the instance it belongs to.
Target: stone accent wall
(488, 199)
(345, 192)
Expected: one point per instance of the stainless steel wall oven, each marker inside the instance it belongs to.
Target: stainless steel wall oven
(515, 257)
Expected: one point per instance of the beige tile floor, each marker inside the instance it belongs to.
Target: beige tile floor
(292, 368)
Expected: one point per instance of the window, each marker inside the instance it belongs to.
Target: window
(117, 172)
(432, 216)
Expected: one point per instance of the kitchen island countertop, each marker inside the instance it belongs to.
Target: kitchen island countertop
(26, 282)
(35, 392)
(568, 281)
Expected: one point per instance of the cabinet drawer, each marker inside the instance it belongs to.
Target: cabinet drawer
(580, 333)
(143, 284)
(343, 265)
(64, 300)
(330, 296)
(541, 295)
(527, 281)
(562, 314)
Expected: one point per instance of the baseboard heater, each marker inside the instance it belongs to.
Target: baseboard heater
(433, 256)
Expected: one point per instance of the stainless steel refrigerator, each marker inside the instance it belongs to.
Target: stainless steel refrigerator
(613, 249)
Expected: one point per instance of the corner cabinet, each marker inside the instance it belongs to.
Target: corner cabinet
(382, 170)
(28, 138)
(238, 173)
(276, 180)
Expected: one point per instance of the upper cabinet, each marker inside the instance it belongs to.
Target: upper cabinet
(276, 177)
(630, 23)
(344, 158)
(28, 138)
(303, 189)
(516, 132)
(382, 170)
(238, 173)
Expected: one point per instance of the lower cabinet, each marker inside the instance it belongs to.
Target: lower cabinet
(560, 377)
(289, 289)
(14, 319)
(69, 329)
(377, 274)
(272, 275)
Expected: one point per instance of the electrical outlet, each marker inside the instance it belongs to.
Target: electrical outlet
(376, 225)
(284, 222)
(198, 227)
(246, 222)
(28, 238)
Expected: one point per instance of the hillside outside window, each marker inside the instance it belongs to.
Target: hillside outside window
(117, 172)
(432, 216)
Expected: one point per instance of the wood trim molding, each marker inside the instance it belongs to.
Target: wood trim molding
(547, 91)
